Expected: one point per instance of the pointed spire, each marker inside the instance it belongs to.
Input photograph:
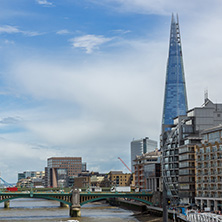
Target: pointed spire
(172, 19)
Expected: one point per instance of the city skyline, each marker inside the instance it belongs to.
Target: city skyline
(85, 78)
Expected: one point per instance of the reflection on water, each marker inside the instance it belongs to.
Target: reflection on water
(42, 210)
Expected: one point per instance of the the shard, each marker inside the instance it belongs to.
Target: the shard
(175, 98)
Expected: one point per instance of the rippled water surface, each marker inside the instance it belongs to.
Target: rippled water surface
(42, 210)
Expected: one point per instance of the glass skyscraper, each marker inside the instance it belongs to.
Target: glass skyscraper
(175, 101)
(175, 104)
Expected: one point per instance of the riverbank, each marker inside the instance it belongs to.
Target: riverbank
(141, 212)
(145, 217)
(139, 209)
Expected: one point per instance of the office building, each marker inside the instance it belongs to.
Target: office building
(141, 146)
(60, 169)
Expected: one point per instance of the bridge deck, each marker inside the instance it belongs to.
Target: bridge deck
(66, 197)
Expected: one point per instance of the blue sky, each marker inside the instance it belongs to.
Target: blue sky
(85, 77)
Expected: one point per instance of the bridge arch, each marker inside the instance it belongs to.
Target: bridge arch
(105, 197)
(39, 197)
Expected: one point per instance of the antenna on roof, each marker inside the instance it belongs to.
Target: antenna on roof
(205, 95)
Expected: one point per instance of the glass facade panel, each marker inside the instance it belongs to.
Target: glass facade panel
(62, 177)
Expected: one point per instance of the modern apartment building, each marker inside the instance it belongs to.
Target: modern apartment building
(179, 150)
(59, 169)
(148, 171)
(141, 146)
(209, 170)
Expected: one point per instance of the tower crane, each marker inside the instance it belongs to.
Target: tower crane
(125, 164)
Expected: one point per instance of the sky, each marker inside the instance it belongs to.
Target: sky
(86, 77)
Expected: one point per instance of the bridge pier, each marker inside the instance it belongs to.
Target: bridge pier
(6, 204)
(75, 211)
(75, 208)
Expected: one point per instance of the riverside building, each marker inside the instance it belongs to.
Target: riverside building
(148, 171)
(179, 150)
(209, 170)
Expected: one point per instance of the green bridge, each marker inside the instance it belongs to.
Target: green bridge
(74, 199)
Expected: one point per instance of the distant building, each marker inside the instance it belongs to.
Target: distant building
(118, 178)
(31, 178)
(82, 181)
(148, 171)
(141, 146)
(84, 167)
(60, 169)
(209, 170)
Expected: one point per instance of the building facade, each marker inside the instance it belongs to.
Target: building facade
(141, 146)
(209, 170)
(148, 171)
(120, 179)
(60, 169)
(179, 150)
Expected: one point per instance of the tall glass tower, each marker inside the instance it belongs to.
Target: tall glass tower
(175, 101)
(175, 104)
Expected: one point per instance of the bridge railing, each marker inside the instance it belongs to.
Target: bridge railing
(194, 216)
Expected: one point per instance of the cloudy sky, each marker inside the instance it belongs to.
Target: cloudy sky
(85, 77)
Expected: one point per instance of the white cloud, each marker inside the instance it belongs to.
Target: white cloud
(19, 154)
(9, 42)
(13, 30)
(63, 32)
(9, 29)
(160, 7)
(121, 31)
(89, 42)
(44, 2)
(10, 120)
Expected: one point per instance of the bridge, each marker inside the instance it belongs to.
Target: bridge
(74, 199)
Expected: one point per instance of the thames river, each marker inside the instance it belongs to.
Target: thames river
(42, 210)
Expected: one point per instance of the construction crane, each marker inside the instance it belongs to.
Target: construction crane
(125, 164)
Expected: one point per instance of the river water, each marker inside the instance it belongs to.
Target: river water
(47, 211)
